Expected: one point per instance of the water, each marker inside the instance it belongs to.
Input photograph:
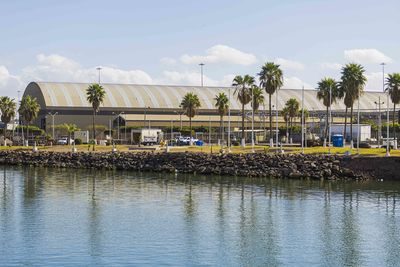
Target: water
(51, 217)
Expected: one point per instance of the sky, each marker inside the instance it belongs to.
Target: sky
(162, 42)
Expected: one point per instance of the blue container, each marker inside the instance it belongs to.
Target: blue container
(337, 140)
(199, 143)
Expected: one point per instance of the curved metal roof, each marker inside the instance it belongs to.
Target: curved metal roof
(125, 96)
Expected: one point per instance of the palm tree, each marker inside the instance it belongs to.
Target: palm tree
(222, 105)
(393, 89)
(353, 81)
(328, 92)
(293, 107)
(71, 128)
(271, 79)
(29, 110)
(242, 86)
(7, 108)
(95, 94)
(190, 104)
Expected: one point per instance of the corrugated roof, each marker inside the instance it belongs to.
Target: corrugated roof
(169, 97)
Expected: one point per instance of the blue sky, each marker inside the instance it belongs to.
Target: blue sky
(163, 41)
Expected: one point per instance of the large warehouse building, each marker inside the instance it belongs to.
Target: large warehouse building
(159, 105)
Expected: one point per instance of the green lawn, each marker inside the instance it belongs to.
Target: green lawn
(217, 149)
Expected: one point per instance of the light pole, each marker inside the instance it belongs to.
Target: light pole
(252, 120)
(302, 119)
(99, 70)
(358, 125)
(52, 122)
(379, 103)
(276, 111)
(201, 70)
(229, 119)
(387, 105)
(330, 119)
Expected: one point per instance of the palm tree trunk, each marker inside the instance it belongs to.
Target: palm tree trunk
(351, 123)
(94, 130)
(190, 129)
(394, 121)
(27, 133)
(345, 126)
(270, 117)
(222, 128)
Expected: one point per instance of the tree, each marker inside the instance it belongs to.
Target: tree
(293, 107)
(271, 80)
(328, 92)
(393, 89)
(29, 110)
(242, 86)
(70, 128)
(222, 105)
(353, 81)
(95, 94)
(190, 104)
(7, 108)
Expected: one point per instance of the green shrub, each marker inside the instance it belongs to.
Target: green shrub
(78, 141)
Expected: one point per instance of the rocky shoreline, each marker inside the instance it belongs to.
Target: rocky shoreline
(296, 166)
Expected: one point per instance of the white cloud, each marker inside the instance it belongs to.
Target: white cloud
(187, 78)
(289, 64)
(221, 54)
(294, 83)
(331, 65)
(9, 84)
(193, 79)
(167, 61)
(374, 81)
(366, 56)
(58, 68)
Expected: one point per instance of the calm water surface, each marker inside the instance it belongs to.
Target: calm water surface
(52, 217)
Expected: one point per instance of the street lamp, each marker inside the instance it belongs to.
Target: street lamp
(52, 119)
(379, 103)
(387, 105)
(252, 120)
(302, 119)
(229, 120)
(99, 70)
(201, 70)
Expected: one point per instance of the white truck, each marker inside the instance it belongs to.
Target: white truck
(146, 136)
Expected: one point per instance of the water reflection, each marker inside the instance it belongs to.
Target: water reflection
(110, 218)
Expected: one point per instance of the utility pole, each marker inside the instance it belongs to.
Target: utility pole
(229, 120)
(330, 119)
(201, 70)
(276, 111)
(302, 119)
(387, 115)
(52, 120)
(99, 70)
(252, 120)
(379, 103)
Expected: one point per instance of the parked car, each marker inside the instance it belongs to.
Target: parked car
(64, 141)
